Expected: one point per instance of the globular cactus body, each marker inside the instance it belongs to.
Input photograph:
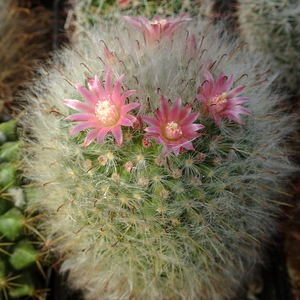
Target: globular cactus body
(149, 215)
(273, 26)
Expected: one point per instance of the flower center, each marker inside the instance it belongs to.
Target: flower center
(106, 112)
(161, 22)
(173, 131)
(218, 101)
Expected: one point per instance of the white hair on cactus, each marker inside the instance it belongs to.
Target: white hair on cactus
(139, 232)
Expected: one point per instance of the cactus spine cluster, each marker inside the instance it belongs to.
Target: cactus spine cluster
(130, 213)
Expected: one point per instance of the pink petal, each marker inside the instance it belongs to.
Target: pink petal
(184, 112)
(188, 145)
(117, 132)
(189, 119)
(79, 105)
(96, 87)
(219, 83)
(133, 21)
(176, 150)
(236, 91)
(227, 84)
(119, 100)
(165, 109)
(217, 118)
(236, 101)
(117, 88)
(208, 85)
(82, 117)
(193, 127)
(132, 119)
(108, 84)
(102, 133)
(243, 110)
(90, 97)
(151, 120)
(160, 117)
(175, 111)
(90, 136)
(83, 126)
(192, 45)
(154, 129)
(157, 18)
(126, 108)
(151, 135)
(125, 122)
(235, 117)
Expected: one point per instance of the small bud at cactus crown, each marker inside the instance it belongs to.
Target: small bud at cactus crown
(158, 166)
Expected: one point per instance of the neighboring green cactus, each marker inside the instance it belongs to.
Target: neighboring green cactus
(18, 252)
(273, 26)
(183, 219)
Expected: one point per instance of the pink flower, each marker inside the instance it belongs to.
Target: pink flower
(219, 101)
(123, 3)
(173, 127)
(158, 28)
(104, 109)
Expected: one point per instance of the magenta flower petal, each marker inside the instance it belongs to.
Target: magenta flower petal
(108, 84)
(102, 133)
(96, 87)
(126, 122)
(190, 118)
(104, 110)
(117, 132)
(175, 111)
(91, 136)
(118, 85)
(151, 120)
(236, 91)
(165, 109)
(194, 127)
(81, 117)
(78, 105)
(170, 129)
(219, 102)
(90, 97)
(83, 126)
(124, 96)
(153, 129)
(126, 108)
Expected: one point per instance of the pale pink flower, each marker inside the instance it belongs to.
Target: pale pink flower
(220, 101)
(173, 127)
(158, 28)
(124, 3)
(104, 110)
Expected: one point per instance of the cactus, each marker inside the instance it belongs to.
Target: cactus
(158, 151)
(21, 259)
(273, 26)
(85, 13)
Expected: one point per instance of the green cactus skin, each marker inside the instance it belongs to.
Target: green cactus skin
(129, 224)
(21, 260)
(273, 26)
(8, 131)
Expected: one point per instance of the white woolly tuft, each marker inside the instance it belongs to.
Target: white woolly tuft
(146, 234)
